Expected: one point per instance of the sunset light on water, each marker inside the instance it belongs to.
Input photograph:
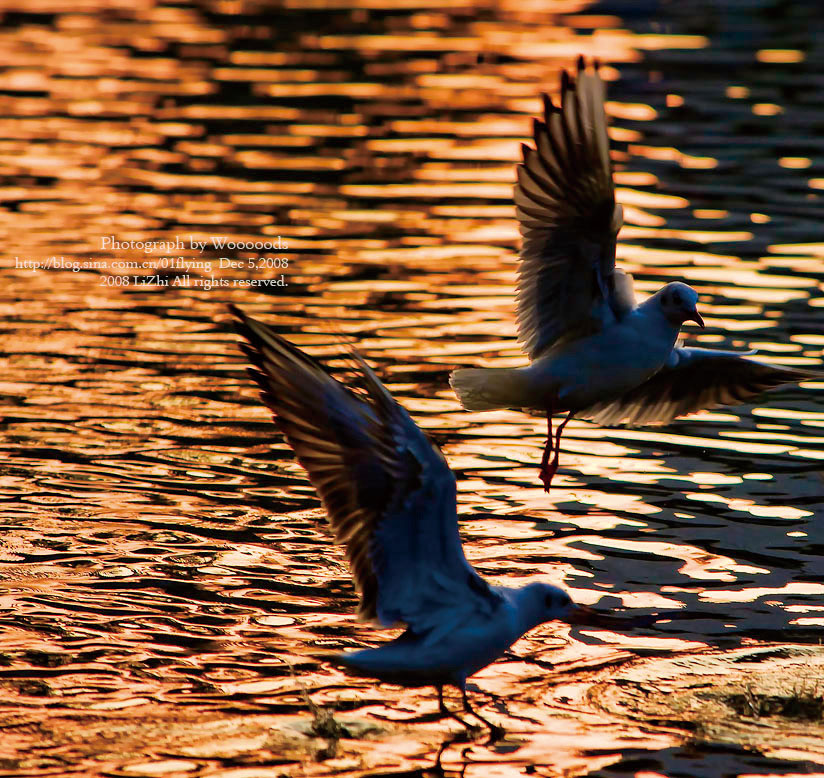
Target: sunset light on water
(343, 171)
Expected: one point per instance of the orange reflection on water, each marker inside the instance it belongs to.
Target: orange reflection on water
(164, 551)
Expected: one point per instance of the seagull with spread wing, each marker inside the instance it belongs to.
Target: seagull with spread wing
(391, 500)
(595, 353)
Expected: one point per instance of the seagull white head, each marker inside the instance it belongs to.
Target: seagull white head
(678, 303)
(540, 602)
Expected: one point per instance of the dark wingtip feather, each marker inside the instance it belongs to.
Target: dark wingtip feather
(240, 318)
(581, 64)
(250, 351)
(251, 343)
(240, 321)
(327, 445)
(259, 377)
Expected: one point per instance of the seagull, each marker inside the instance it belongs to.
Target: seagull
(391, 500)
(594, 352)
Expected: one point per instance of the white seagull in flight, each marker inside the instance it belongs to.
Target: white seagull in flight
(390, 498)
(595, 353)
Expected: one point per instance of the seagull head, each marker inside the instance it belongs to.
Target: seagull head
(540, 602)
(678, 303)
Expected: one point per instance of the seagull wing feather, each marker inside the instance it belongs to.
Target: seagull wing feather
(694, 379)
(565, 203)
(386, 487)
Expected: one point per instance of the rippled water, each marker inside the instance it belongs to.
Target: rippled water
(165, 567)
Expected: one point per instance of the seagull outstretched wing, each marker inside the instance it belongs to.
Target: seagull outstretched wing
(386, 487)
(568, 284)
(692, 380)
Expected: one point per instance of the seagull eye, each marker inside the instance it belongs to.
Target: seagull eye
(676, 298)
(560, 600)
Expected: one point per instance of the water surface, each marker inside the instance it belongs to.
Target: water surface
(166, 570)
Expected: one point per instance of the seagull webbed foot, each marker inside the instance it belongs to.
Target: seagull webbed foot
(546, 475)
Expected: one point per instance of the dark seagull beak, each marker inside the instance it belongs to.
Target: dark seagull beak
(583, 615)
(696, 317)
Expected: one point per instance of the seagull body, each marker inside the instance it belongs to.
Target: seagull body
(593, 351)
(391, 499)
(460, 648)
(578, 374)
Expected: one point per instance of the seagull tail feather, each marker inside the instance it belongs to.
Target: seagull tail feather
(486, 389)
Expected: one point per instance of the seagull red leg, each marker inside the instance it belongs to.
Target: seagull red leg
(553, 468)
(544, 473)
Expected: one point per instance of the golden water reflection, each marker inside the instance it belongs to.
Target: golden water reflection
(164, 561)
